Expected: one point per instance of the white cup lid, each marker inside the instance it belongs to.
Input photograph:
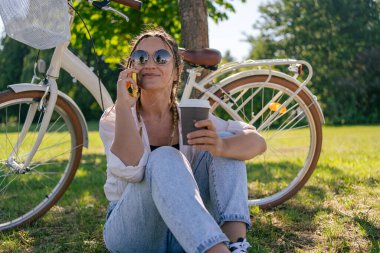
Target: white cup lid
(195, 103)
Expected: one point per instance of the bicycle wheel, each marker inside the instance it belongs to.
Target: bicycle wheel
(294, 137)
(27, 194)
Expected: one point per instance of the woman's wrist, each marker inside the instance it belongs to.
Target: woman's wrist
(121, 106)
(223, 148)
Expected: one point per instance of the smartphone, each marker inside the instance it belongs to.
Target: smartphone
(135, 78)
(131, 90)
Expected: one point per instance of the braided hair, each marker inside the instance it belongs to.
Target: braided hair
(159, 32)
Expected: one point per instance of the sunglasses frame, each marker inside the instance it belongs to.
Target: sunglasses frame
(154, 56)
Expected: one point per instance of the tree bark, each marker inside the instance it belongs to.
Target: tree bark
(194, 25)
(194, 30)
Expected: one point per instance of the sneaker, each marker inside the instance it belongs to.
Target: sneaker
(241, 246)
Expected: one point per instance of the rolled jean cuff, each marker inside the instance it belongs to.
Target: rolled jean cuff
(235, 217)
(210, 242)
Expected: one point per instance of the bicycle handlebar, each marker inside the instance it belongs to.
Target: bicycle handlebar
(134, 4)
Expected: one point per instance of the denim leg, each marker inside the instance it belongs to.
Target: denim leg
(223, 186)
(177, 198)
(134, 224)
(168, 197)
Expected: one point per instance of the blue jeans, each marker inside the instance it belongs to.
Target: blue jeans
(178, 207)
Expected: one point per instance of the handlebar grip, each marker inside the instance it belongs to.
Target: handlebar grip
(134, 4)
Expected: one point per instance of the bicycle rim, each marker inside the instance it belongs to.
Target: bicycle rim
(26, 194)
(294, 136)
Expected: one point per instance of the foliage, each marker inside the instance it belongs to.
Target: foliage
(111, 35)
(340, 39)
(112, 40)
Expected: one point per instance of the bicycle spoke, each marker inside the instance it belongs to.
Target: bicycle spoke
(8, 140)
(44, 175)
(288, 112)
(45, 148)
(67, 151)
(265, 107)
(56, 131)
(30, 189)
(4, 188)
(6, 130)
(280, 130)
(4, 177)
(43, 164)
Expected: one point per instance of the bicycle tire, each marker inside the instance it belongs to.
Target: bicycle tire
(285, 188)
(52, 168)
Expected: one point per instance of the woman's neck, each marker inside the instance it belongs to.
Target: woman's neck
(154, 105)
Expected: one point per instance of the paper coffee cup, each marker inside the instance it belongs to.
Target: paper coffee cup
(192, 110)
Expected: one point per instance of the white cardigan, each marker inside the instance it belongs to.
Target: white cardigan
(119, 174)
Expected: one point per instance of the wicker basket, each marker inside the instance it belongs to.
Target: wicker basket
(41, 24)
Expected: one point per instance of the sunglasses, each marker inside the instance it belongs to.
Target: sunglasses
(161, 56)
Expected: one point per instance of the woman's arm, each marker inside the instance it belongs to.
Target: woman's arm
(125, 125)
(126, 132)
(242, 146)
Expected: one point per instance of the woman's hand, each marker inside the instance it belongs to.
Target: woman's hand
(123, 96)
(206, 139)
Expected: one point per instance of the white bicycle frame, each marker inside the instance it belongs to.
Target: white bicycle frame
(64, 58)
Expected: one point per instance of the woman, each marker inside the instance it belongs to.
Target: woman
(164, 196)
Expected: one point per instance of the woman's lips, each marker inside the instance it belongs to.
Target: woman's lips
(150, 75)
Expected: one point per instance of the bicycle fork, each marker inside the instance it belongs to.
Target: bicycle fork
(52, 91)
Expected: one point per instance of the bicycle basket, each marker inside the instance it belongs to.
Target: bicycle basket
(41, 24)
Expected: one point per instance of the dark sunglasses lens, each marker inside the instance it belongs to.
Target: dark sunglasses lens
(161, 56)
(139, 56)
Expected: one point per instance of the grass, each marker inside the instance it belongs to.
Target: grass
(337, 211)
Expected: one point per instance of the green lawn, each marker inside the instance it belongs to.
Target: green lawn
(337, 211)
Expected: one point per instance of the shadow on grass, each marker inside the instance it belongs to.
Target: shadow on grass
(294, 225)
(270, 172)
(372, 232)
(267, 236)
(75, 223)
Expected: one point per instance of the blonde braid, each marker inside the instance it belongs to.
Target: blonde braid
(174, 111)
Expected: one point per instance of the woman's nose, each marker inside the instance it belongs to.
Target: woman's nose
(150, 63)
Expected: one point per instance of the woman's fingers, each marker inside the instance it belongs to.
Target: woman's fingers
(202, 141)
(205, 124)
(126, 72)
(200, 133)
(127, 87)
(203, 136)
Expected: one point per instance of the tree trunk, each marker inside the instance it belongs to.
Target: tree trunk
(194, 26)
(194, 30)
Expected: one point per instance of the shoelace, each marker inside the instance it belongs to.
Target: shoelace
(241, 246)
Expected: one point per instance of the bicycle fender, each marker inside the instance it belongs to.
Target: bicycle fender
(243, 74)
(22, 87)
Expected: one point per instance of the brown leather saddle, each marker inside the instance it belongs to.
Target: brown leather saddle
(205, 57)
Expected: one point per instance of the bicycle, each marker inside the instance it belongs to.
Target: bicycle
(44, 131)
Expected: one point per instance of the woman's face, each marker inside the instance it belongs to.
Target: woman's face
(154, 76)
